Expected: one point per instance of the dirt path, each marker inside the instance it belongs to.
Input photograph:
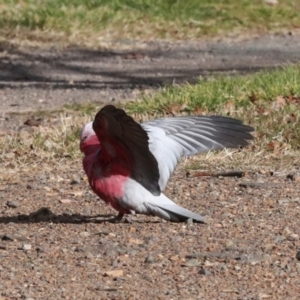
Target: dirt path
(38, 79)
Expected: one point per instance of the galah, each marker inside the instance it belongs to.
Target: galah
(128, 164)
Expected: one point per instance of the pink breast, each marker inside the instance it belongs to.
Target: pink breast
(109, 186)
(107, 179)
(110, 189)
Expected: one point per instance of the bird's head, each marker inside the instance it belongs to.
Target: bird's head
(88, 138)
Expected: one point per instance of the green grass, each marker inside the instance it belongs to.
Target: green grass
(144, 19)
(214, 92)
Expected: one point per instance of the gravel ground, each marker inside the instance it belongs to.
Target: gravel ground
(56, 244)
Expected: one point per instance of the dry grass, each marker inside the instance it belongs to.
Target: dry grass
(46, 148)
(41, 147)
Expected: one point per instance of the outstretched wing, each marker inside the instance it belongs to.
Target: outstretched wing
(172, 138)
(124, 139)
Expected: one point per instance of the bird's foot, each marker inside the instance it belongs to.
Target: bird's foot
(120, 219)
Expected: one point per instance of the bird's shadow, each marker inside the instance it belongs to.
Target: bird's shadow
(44, 214)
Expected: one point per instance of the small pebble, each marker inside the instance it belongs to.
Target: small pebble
(114, 273)
(40, 250)
(293, 237)
(149, 259)
(2, 247)
(189, 221)
(192, 263)
(79, 249)
(75, 180)
(7, 237)
(12, 204)
(279, 239)
(26, 247)
(203, 271)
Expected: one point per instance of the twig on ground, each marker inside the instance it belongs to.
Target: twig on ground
(217, 174)
(259, 185)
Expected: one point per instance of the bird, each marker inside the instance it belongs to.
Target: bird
(129, 164)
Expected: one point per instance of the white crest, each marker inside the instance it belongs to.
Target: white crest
(87, 131)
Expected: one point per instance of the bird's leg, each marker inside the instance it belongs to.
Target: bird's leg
(120, 219)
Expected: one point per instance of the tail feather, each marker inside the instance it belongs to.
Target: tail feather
(173, 212)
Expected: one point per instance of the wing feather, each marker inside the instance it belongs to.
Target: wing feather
(172, 138)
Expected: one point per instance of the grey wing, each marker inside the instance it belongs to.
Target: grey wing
(172, 138)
